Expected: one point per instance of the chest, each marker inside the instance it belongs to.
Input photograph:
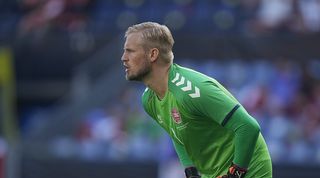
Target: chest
(168, 114)
(173, 117)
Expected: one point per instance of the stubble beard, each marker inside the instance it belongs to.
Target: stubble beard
(141, 74)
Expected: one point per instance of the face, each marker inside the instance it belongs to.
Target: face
(135, 59)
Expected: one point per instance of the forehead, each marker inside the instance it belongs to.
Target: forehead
(134, 39)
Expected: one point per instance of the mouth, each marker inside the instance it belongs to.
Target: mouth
(126, 67)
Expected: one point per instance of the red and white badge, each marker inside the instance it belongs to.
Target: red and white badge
(176, 116)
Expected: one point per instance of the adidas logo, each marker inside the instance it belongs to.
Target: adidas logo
(180, 81)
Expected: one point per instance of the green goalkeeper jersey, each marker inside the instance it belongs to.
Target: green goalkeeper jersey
(208, 126)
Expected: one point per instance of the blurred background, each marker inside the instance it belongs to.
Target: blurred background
(67, 111)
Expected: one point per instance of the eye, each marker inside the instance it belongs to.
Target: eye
(128, 50)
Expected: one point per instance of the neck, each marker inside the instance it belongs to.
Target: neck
(158, 80)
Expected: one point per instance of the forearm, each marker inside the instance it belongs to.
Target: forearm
(182, 154)
(246, 131)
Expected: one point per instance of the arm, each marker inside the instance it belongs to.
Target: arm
(190, 170)
(246, 131)
(219, 105)
(182, 154)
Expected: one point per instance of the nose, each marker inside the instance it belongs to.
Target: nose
(123, 57)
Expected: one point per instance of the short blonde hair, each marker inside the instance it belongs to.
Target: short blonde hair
(155, 36)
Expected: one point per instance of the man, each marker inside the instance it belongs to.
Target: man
(211, 132)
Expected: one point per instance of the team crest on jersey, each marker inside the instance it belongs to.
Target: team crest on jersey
(176, 116)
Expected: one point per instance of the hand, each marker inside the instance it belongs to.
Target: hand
(192, 172)
(235, 172)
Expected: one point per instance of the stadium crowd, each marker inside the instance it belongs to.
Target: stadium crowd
(40, 17)
(284, 95)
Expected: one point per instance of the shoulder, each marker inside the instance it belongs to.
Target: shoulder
(189, 84)
(146, 100)
(146, 96)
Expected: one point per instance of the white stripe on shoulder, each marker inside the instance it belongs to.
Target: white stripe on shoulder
(196, 94)
(180, 81)
(146, 90)
(176, 78)
(188, 87)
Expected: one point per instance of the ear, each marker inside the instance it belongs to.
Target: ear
(154, 54)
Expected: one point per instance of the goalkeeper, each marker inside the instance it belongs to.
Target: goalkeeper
(212, 133)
